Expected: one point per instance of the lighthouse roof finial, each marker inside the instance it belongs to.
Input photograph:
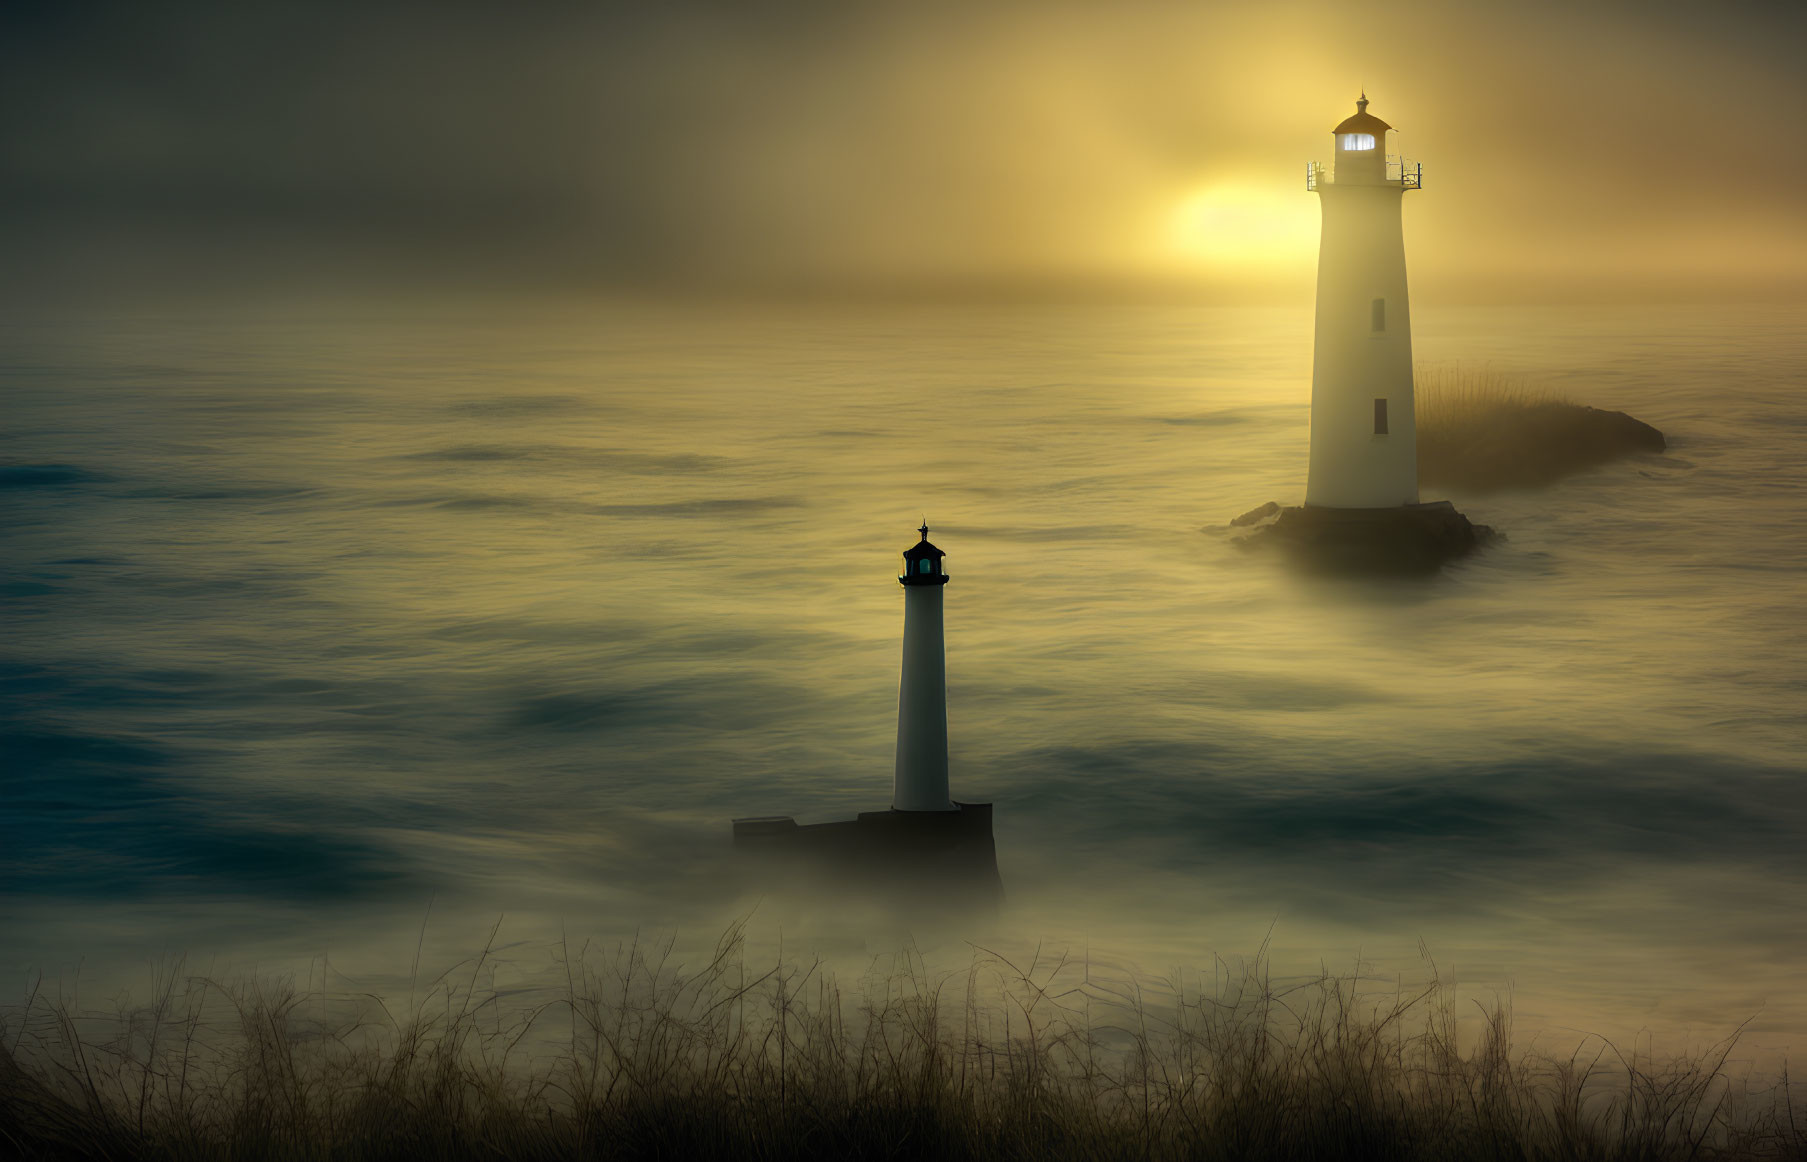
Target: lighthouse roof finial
(920, 551)
(1363, 121)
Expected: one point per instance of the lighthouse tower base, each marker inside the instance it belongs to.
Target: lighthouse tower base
(909, 860)
(1404, 539)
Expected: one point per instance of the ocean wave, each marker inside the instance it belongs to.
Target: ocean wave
(612, 459)
(22, 476)
(106, 817)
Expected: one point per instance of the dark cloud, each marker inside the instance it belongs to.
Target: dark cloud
(732, 144)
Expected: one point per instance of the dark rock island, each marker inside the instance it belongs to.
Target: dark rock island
(1407, 539)
(1519, 443)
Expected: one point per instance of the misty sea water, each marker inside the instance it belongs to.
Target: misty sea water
(317, 618)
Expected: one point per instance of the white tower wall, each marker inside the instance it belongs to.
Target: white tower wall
(920, 782)
(1362, 351)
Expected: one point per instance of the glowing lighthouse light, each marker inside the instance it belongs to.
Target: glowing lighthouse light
(1364, 435)
(920, 781)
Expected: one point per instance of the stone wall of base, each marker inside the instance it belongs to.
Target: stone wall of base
(895, 856)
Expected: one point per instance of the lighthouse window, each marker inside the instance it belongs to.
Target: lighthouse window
(1349, 141)
(1380, 417)
(925, 565)
(1379, 321)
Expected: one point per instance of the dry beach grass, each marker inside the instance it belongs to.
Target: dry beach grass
(636, 1057)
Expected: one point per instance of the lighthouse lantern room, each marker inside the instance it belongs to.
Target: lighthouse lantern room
(922, 562)
(1363, 426)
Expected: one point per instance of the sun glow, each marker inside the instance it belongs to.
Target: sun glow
(1245, 227)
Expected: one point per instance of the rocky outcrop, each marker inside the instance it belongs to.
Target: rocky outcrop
(1256, 515)
(1409, 539)
(1527, 445)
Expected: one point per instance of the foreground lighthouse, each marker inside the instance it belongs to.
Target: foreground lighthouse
(1364, 436)
(920, 780)
(927, 853)
(1361, 512)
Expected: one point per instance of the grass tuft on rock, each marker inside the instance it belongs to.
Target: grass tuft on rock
(1480, 431)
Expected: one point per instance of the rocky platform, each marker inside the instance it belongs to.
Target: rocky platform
(902, 859)
(1409, 539)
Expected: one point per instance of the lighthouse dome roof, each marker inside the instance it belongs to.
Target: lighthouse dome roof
(922, 548)
(1363, 121)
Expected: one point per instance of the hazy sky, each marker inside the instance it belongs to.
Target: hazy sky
(1569, 149)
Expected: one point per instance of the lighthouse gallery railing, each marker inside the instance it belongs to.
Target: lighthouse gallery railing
(1400, 172)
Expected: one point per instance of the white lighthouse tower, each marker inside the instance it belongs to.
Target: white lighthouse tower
(1364, 437)
(920, 782)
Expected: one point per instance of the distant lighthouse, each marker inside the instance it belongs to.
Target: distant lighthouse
(920, 780)
(926, 852)
(1364, 434)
